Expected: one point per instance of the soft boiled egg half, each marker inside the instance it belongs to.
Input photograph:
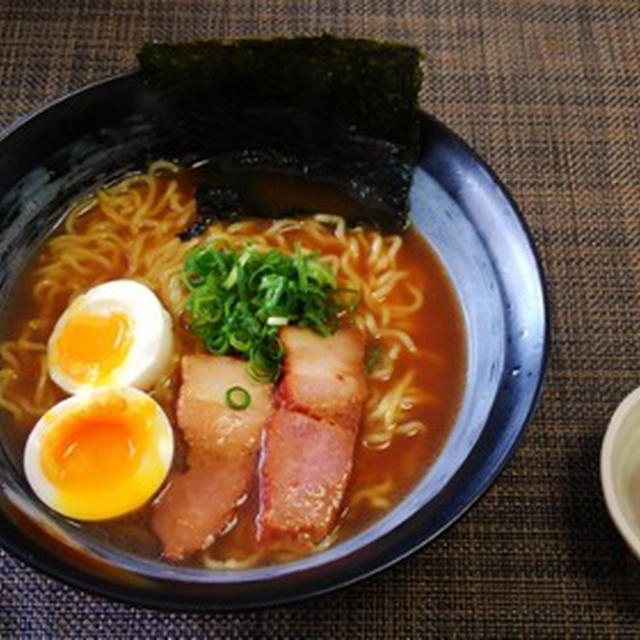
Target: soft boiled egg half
(99, 455)
(115, 334)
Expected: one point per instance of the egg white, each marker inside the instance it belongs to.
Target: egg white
(151, 334)
(98, 503)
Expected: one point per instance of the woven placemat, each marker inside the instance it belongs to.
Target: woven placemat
(548, 92)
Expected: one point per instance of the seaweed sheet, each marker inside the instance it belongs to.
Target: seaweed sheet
(342, 111)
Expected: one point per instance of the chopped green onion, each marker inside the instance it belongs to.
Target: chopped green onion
(277, 321)
(373, 357)
(239, 299)
(231, 278)
(238, 397)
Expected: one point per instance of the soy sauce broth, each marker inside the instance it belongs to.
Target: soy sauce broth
(440, 366)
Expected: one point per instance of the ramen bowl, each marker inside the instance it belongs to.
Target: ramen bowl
(457, 204)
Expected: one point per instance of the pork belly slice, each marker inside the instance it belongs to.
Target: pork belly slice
(304, 469)
(308, 445)
(324, 377)
(210, 427)
(198, 504)
(223, 444)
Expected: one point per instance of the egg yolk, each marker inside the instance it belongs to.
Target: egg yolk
(91, 346)
(96, 446)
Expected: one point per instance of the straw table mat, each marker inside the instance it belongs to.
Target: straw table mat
(548, 92)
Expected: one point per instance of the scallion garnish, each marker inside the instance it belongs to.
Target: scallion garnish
(240, 298)
(373, 357)
(238, 397)
(277, 321)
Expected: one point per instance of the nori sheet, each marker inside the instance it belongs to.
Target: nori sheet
(343, 111)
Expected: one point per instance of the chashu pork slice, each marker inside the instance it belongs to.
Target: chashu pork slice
(308, 445)
(304, 471)
(223, 444)
(210, 426)
(198, 504)
(324, 377)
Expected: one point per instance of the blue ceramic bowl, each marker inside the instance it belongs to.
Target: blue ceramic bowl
(468, 217)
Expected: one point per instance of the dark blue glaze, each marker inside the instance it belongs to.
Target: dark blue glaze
(469, 219)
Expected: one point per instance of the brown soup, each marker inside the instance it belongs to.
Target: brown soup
(409, 313)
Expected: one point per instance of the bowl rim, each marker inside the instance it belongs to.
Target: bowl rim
(43, 561)
(617, 424)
